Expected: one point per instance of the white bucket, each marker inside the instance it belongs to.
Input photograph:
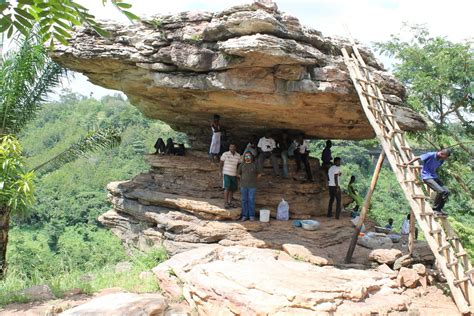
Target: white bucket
(265, 215)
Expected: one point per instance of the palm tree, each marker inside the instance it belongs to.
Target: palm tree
(27, 75)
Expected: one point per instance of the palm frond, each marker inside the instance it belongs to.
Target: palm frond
(100, 139)
(27, 74)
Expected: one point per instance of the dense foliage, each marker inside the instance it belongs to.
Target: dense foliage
(54, 19)
(60, 240)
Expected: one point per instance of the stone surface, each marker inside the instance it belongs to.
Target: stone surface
(419, 268)
(299, 252)
(38, 293)
(408, 278)
(387, 256)
(256, 66)
(122, 267)
(375, 241)
(248, 281)
(387, 270)
(122, 304)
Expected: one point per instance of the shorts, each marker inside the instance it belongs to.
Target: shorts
(230, 183)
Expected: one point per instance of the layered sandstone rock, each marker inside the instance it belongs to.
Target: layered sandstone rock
(256, 66)
(246, 281)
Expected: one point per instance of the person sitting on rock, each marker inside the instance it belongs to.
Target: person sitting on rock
(352, 192)
(216, 128)
(390, 224)
(334, 175)
(169, 149)
(302, 156)
(248, 171)
(266, 147)
(326, 156)
(284, 145)
(160, 146)
(228, 170)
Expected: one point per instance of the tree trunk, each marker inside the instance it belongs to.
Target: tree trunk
(4, 227)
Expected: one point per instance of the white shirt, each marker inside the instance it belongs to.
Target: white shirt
(266, 144)
(230, 163)
(332, 172)
(304, 146)
(405, 227)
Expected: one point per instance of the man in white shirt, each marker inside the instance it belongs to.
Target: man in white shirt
(334, 176)
(266, 146)
(302, 156)
(406, 227)
(228, 169)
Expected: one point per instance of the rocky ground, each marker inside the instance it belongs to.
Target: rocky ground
(221, 280)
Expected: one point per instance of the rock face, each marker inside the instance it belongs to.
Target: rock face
(179, 202)
(247, 281)
(122, 304)
(387, 256)
(257, 67)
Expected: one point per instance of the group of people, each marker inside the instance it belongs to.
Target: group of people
(248, 166)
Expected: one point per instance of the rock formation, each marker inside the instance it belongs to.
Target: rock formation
(246, 281)
(256, 66)
(180, 202)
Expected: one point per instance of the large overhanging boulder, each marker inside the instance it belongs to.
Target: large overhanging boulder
(254, 65)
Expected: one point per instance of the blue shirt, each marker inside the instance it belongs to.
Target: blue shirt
(430, 164)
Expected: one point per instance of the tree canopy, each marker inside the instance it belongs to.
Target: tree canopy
(55, 18)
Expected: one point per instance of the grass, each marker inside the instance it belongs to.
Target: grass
(97, 279)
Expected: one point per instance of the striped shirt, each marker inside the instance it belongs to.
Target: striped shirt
(230, 163)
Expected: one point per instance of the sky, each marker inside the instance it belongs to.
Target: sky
(368, 20)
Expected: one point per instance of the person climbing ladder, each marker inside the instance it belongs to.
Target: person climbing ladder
(432, 161)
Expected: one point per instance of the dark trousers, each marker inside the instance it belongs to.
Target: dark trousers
(334, 193)
(303, 158)
(442, 193)
(160, 146)
(268, 155)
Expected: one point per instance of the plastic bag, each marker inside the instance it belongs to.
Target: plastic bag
(283, 211)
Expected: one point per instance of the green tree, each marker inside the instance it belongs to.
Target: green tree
(55, 18)
(16, 192)
(27, 75)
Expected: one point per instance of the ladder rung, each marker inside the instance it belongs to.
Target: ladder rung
(427, 214)
(435, 231)
(405, 148)
(366, 81)
(469, 272)
(457, 282)
(452, 263)
(416, 167)
(373, 108)
(412, 180)
(420, 196)
(449, 238)
(445, 246)
(461, 253)
(374, 96)
(399, 131)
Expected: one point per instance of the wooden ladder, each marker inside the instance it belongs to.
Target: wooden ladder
(443, 241)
